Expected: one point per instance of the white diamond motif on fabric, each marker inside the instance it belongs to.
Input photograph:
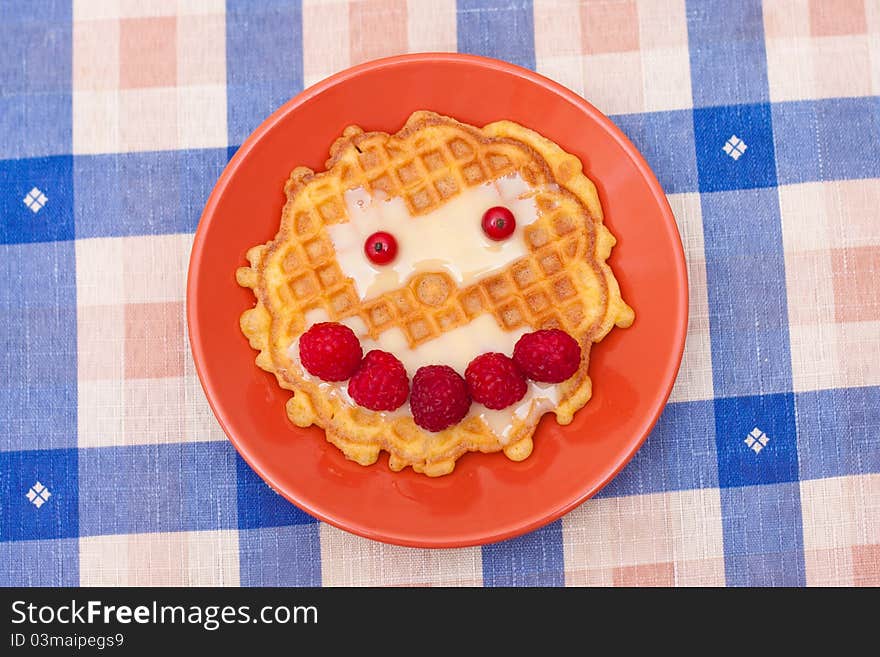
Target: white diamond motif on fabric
(35, 200)
(734, 147)
(38, 494)
(756, 440)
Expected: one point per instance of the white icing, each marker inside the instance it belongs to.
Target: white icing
(539, 398)
(456, 347)
(449, 238)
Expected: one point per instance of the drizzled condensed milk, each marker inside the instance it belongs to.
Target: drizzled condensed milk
(447, 239)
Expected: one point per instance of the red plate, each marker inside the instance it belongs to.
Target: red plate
(487, 498)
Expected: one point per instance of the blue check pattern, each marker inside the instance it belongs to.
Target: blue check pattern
(202, 486)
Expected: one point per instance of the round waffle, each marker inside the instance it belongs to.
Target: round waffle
(563, 281)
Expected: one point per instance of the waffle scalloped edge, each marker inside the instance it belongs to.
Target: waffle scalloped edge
(564, 282)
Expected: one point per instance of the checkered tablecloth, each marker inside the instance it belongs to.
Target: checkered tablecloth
(762, 122)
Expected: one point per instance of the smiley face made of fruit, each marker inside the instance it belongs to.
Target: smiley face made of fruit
(434, 292)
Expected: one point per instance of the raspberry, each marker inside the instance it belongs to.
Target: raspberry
(380, 383)
(550, 356)
(330, 351)
(439, 397)
(495, 381)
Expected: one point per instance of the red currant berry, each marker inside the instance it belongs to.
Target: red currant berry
(498, 223)
(381, 248)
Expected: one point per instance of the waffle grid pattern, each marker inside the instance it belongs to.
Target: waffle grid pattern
(527, 294)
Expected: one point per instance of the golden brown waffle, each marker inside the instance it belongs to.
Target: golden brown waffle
(564, 282)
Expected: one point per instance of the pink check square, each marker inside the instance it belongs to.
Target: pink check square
(154, 340)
